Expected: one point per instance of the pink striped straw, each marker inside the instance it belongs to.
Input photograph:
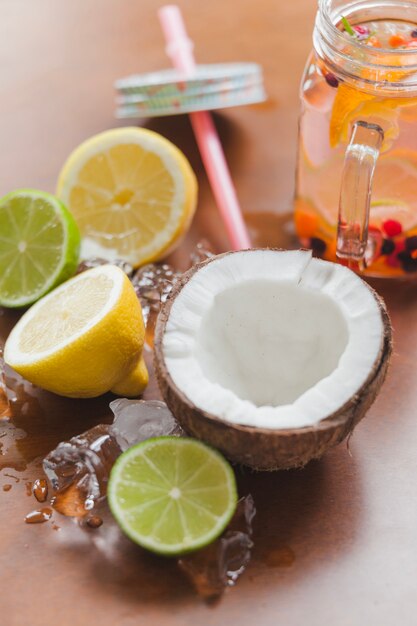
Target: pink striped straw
(180, 50)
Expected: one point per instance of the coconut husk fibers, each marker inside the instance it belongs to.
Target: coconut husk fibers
(260, 448)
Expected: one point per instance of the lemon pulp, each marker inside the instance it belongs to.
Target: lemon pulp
(132, 192)
(84, 338)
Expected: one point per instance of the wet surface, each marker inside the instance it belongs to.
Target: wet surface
(279, 557)
(117, 560)
(296, 511)
(350, 520)
(79, 469)
(37, 420)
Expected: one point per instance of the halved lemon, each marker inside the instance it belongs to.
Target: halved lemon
(132, 192)
(84, 338)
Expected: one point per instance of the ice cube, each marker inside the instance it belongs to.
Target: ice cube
(79, 469)
(153, 284)
(137, 420)
(88, 264)
(202, 252)
(210, 571)
(220, 564)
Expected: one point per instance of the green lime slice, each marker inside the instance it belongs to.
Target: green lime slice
(39, 246)
(172, 495)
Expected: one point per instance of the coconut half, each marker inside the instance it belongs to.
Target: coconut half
(271, 356)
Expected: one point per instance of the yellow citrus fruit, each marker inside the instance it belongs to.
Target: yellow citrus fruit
(84, 338)
(132, 192)
(351, 105)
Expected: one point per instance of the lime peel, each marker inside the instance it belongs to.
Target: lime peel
(39, 246)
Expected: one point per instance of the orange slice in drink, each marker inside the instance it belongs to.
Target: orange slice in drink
(346, 103)
(351, 105)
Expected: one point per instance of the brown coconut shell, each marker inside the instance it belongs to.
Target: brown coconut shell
(260, 448)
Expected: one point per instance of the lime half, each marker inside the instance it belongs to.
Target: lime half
(39, 246)
(172, 495)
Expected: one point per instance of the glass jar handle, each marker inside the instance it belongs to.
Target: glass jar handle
(355, 191)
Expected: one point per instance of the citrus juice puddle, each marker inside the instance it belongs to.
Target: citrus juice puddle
(335, 95)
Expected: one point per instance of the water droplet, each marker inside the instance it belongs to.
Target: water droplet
(89, 504)
(39, 516)
(40, 489)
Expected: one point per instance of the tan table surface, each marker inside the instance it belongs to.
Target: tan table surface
(336, 542)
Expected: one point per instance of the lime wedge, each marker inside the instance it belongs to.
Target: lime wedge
(172, 495)
(39, 246)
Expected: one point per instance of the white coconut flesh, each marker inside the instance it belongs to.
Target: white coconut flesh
(272, 339)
